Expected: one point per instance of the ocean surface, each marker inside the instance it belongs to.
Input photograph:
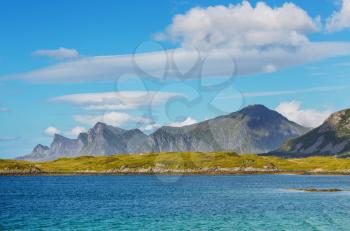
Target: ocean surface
(227, 202)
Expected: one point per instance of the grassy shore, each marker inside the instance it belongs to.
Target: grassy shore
(178, 163)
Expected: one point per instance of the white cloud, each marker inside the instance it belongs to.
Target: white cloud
(340, 19)
(269, 68)
(121, 100)
(51, 131)
(258, 39)
(185, 122)
(111, 118)
(60, 53)
(247, 62)
(306, 117)
(74, 132)
(242, 25)
(151, 127)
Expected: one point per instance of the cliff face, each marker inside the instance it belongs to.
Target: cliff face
(331, 138)
(105, 140)
(254, 129)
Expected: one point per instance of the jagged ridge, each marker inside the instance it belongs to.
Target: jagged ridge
(254, 129)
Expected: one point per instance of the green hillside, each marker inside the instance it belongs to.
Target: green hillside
(178, 163)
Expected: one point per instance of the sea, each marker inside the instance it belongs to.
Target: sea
(173, 202)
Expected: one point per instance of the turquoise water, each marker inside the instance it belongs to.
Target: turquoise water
(251, 202)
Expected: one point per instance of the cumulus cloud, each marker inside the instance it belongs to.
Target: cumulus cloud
(340, 19)
(74, 132)
(306, 117)
(185, 122)
(257, 38)
(121, 100)
(59, 54)
(111, 118)
(242, 25)
(51, 131)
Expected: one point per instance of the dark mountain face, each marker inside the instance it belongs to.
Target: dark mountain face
(331, 138)
(106, 140)
(62, 145)
(254, 129)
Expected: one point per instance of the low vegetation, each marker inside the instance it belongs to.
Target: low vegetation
(188, 162)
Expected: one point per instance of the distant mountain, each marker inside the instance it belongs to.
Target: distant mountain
(254, 129)
(330, 139)
(101, 140)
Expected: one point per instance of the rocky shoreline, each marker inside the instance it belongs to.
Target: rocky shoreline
(217, 171)
(178, 164)
(318, 190)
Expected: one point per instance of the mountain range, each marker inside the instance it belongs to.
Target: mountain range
(253, 129)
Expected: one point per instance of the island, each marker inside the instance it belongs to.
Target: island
(316, 190)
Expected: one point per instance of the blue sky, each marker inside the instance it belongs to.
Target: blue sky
(66, 64)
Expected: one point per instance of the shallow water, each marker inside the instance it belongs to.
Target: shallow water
(248, 202)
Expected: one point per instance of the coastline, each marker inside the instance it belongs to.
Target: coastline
(190, 163)
(174, 173)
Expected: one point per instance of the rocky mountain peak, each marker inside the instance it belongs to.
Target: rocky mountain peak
(40, 148)
(331, 138)
(99, 126)
(254, 129)
(337, 121)
(260, 117)
(59, 138)
(257, 111)
(254, 108)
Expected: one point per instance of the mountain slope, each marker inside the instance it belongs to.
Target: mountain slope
(254, 129)
(103, 139)
(100, 140)
(331, 138)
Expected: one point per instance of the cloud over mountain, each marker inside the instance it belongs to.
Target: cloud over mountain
(306, 117)
(51, 131)
(113, 118)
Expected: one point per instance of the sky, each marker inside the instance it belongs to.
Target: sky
(65, 65)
